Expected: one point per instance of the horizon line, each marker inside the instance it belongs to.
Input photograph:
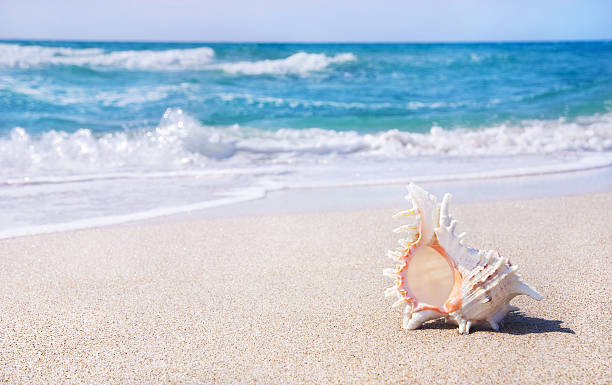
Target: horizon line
(70, 40)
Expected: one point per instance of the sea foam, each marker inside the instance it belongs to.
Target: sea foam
(181, 141)
(20, 56)
(297, 64)
(202, 58)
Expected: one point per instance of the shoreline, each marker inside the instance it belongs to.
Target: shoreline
(354, 197)
(298, 298)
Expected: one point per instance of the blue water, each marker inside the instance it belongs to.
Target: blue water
(101, 129)
(409, 87)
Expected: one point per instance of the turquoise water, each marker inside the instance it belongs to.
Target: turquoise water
(107, 87)
(102, 132)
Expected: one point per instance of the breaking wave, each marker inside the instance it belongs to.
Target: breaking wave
(33, 56)
(179, 141)
(296, 64)
(202, 58)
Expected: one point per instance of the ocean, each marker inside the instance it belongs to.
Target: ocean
(95, 133)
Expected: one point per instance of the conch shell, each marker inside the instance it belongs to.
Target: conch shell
(439, 277)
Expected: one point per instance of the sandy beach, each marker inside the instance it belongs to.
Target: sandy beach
(299, 299)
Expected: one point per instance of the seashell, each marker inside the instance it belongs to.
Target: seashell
(437, 276)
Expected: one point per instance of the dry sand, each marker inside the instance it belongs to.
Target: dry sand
(299, 299)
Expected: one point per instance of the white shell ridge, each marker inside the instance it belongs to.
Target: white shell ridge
(437, 276)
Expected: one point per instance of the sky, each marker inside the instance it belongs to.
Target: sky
(307, 20)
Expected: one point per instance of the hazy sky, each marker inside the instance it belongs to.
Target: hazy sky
(307, 20)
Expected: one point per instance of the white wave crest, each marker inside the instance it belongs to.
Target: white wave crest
(587, 134)
(33, 56)
(20, 56)
(297, 64)
(181, 141)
